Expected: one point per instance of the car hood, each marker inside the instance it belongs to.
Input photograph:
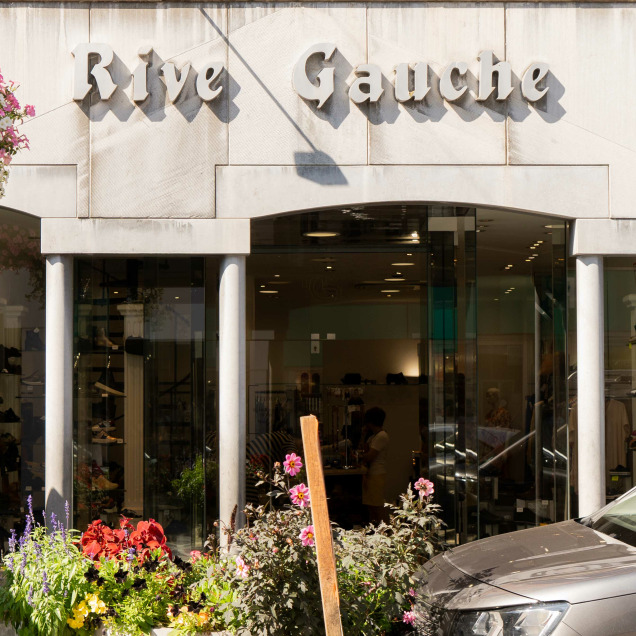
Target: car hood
(565, 561)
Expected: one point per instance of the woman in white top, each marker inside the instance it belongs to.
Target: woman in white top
(374, 480)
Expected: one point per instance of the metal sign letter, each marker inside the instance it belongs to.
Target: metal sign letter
(323, 90)
(446, 86)
(486, 70)
(535, 73)
(372, 79)
(81, 85)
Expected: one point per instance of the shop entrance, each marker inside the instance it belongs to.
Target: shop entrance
(452, 320)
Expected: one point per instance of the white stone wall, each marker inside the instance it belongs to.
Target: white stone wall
(162, 160)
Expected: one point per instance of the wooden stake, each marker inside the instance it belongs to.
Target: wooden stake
(322, 528)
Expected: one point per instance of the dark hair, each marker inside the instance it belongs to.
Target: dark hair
(375, 416)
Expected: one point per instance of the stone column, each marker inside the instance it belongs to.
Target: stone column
(58, 475)
(590, 383)
(232, 372)
(133, 410)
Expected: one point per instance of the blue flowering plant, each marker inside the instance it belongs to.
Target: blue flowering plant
(43, 576)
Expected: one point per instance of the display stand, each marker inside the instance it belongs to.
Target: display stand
(134, 414)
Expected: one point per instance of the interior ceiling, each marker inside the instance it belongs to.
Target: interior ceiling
(354, 265)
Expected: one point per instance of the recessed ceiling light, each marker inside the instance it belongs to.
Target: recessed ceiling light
(329, 267)
(512, 288)
(276, 275)
(539, 242)
(409, 254)
(394, 280)
(321, 234)
(268, 291)
(389, 291)
(528, 260)
(176, 297)
(496, 299)
(402, 264)
(262, 286)
(388, 295)
(510, 265)
(115, 292)
(506, 292)
(533, 247)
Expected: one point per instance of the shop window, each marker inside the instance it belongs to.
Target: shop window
(145, 373)
(452, 320)
(22, 342)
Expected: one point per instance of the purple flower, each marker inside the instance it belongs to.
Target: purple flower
(45, 583)
(67, 510)
(30, 505)
(12, 540)
(53, 519)
(131, 555)
(38, 549)
(10, 564)
(30, 596)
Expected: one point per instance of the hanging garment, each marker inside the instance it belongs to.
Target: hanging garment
(617, 430)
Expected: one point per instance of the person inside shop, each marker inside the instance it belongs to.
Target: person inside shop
(375, 458)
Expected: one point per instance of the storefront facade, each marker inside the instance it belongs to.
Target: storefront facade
(253, 212)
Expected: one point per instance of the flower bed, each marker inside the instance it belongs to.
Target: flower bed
(127, 581)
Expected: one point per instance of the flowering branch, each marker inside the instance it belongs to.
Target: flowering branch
(11, 115)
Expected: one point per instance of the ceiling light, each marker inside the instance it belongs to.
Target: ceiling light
(402, 264)
(409, 254)
(115, 292)
(176, 297)
(321, 234)
(415, 235)
(389, 291)
(276, 275)
(394, 280)
(528, 260)
(262, 286)
(496, 299)
(533, 247)
(388, 295)
(512, 288)
(510, 265)
(268, 291)
(329, 267)
(478, 230)
(539, 242)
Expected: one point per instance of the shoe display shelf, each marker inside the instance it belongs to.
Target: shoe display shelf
(99, 412)
(21, 416)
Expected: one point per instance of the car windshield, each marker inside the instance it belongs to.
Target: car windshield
(617, 519)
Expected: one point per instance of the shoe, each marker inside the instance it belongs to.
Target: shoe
(33, 341)
(9, 416)
(102, 438)
(108, 383)
(104, 409)
(101, 340)
(35, 379)
(101, 483)
(130, 514)
(134, 345)
(104, 425)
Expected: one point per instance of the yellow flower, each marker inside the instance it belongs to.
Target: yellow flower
(81, 610)
(204, 617)
(96, 605)
(75, 622)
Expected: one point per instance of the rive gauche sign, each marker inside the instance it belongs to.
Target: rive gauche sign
(410, 81)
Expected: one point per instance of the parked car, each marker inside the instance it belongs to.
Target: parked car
(574, 578)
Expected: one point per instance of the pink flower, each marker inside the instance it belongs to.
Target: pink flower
(408, 618)
(29, 110)
(195, 555)
(307, 536)
(242, 569)
(292, 464)
(425, 487)
(300, 495)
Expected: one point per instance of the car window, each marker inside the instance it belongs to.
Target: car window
(618, 519)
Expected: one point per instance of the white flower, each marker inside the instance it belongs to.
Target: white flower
(5, 122)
